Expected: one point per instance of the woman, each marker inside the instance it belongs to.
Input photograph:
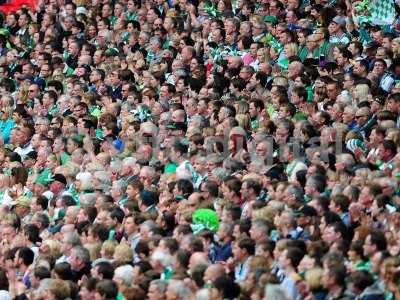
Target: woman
(7, 123)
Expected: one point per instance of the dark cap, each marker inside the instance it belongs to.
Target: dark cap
(372, 45)
(306, 211)
(60, 178)
(31, 155)
(177, 126)
(87, 68)
(380, 99)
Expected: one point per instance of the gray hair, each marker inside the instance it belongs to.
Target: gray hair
(180, 289)
(166, 260)
(297, 192)
(160, 284)
(125, 273)
(275, 291)
(103, 177)
(87, 200)
(82, 253)
(73, 239)
(220, 173)
(130, 161)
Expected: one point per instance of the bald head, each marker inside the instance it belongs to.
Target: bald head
(213, 272)
(198, 258)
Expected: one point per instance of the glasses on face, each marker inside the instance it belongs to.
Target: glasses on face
(357, 117)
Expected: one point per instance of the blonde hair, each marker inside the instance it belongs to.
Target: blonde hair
(292, 48)
(396, 50)
(94, 250)
(313, 278)
(243, 121)
(108, 248)
(123, 253)
(242, 107)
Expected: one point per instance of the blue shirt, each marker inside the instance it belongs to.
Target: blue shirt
(223, 252)
(5, 128)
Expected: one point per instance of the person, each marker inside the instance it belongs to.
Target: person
(203, 143)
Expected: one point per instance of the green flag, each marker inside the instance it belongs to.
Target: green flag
(382, 12)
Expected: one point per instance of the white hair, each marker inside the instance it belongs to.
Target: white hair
(85, 179)
(164, 259)
(276, 292)
(125, 273)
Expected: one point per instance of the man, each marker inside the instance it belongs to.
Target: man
(58, 185)
(69, 241)
(80, 263)
(23, 137)
(242, 251)
(177, 290)
(334, 280)
(335, 28)
(157, 289)
(256, 106)
(224, 249)
(289, 260)
(23, 260)
(387, 153)
(363, 121)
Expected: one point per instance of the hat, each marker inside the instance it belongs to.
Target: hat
(27, 77)
(111, 52)
(81, 10)
(176, 126)
(22, 201)
(274, 173)
(31, 155)
(59, 178)
(86, 67)
(380, 99)
(306, 211)
(78, 138)
(339, 20)
(44, 178)
(148, 198)
(119, 145)
(270, 19)
(353, 144)
(372, 45)
(205, 218)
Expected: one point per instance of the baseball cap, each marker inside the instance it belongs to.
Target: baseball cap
(176, 126)
(339, 20)
(59, 178)
(306, 211)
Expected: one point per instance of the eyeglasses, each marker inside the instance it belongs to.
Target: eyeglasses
(357, 117)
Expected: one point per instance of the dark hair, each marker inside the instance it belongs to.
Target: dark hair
(27, 255)
(63, 271)
(227, 287)
(295, 255)
(378, 239)
(185, 186)
(41, 272)
(100, 231)
(361, 279)
(107, 289)
(105, 269)
(248, 244)
(32, 233)
(3, 279)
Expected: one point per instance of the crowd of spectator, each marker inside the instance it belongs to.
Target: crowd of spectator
(199, 150)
